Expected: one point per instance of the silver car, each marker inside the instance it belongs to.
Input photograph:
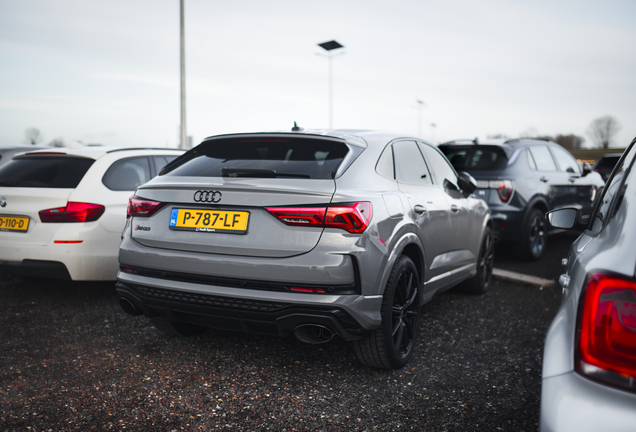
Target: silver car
(311, 234)
(589, 361)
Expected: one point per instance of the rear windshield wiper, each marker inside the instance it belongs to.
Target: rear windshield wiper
(258, 173)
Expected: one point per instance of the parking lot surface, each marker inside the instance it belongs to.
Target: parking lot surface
(71, 359)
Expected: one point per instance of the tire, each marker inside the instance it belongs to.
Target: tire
(391, 345)
(176, 328)
(480, 283)
(534, 235)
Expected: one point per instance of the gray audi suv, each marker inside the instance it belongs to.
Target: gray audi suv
(309, 233)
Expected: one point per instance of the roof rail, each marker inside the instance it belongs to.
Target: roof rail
(141, 148)
(462, 141)
(515, 140)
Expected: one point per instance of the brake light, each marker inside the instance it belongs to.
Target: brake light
(607, 341)
(142, 207)
(73, 212)
(504, 187)
(353, 218)
(305, 216)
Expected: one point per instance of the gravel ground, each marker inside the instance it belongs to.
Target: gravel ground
(72, 360)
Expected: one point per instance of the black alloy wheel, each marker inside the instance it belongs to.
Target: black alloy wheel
(392, 344)
(480, 283)
(535, 235)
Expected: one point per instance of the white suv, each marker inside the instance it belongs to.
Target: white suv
(62, 211)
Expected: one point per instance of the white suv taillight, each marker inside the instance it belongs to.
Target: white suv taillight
(607, 331)
(73, 212)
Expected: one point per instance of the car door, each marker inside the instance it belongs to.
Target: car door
(576, 190)
(555, 183)
(464, 238)
(429, 209)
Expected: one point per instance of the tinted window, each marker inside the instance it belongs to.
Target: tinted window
(263, 158)
(439, 166)
(476, 158)
(162, 161)
(45, 172)
(612, 192)
(384, 166)
(542, 158)
(566, 161)
(409, 163)
(127, 174)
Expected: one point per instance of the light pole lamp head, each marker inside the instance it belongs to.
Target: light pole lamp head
(331, 45)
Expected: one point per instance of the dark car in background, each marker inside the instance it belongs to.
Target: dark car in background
(606, 164)
(522, 179)
(589, 360)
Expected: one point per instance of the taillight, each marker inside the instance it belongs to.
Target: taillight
(142, 207)
(504, 187)
(73, 212)
(353, 218)
(607, 340)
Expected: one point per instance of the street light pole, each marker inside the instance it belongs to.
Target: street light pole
(184, 144)
(420, 104)
(329, 47)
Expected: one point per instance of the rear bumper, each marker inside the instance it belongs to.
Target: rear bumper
(93, 258)
(572, 403)
(508, 224)
(35, 268)
(240, 313)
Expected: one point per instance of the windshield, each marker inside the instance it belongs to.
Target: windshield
(302, 158)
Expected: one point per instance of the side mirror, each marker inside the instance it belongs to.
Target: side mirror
(586, 169)
(564, 218)
(466, 183)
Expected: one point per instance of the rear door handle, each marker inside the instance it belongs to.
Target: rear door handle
(454, 208)
(419, 209)
(544, 179)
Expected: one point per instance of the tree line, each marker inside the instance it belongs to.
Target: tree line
(602, 132)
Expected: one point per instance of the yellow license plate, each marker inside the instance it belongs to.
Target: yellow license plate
(214, 221)
(11, 223)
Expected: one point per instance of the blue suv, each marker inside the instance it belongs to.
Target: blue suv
(521, 180)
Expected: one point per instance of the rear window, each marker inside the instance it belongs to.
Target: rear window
(302, 158)
(476, 158)
(44, 172)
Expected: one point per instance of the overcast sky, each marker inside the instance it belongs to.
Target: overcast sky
(108, 71)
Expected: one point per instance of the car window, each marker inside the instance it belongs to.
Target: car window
(409, 164)
(439, 165)
(566, 161)
(542, 158)
(385, 167)
(612, 193)
(162, 161)
(127, 174)
(263, 157)
(476, 158)
(62, 172)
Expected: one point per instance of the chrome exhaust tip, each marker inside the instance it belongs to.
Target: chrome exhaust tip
(129, 307)
(313, 333)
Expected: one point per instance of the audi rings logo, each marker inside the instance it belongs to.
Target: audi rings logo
(207, 196)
